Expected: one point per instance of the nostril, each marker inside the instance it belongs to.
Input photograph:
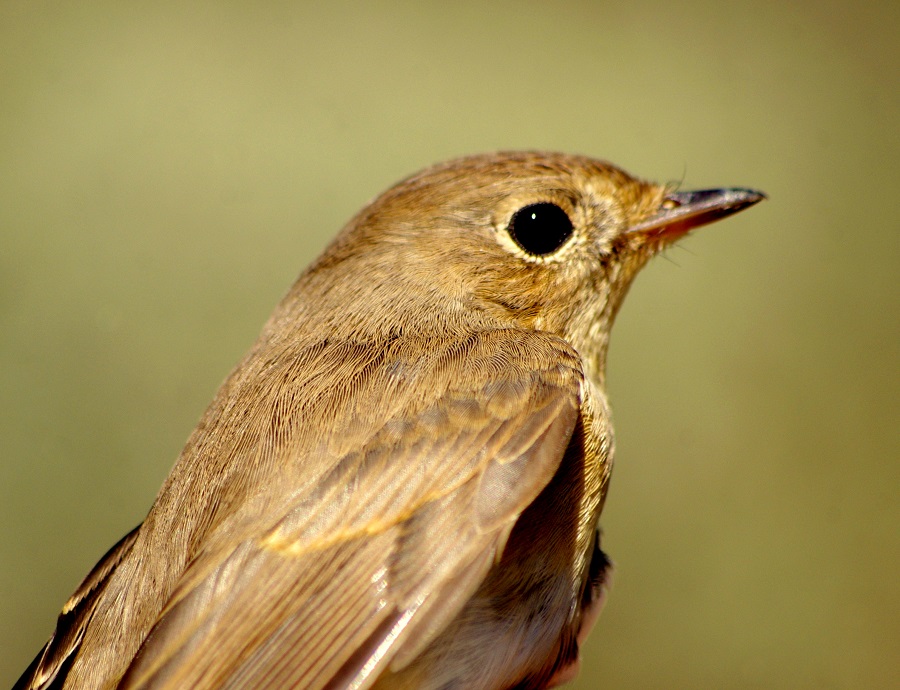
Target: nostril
(668, 204)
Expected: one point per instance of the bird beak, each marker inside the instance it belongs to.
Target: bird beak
(684, 211)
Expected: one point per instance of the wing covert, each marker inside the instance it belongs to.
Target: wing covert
(376, 487)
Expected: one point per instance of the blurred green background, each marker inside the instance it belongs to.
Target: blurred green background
(167, 170)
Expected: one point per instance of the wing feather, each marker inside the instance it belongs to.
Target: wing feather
(330, 553)
(55, 658)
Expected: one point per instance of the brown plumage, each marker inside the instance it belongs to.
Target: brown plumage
(399, 485)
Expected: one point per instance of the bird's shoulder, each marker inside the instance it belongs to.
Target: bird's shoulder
(342, 498)
(394, 473)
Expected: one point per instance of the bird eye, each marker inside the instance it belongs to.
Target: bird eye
(540, 229)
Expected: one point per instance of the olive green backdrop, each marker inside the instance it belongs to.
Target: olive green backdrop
(167, 170)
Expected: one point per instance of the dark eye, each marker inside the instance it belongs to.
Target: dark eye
(540, 229)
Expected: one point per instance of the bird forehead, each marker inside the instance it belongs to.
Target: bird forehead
(488, 178)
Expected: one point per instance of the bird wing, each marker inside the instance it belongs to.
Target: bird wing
(373, 505)
(54, 659)
(386, 546)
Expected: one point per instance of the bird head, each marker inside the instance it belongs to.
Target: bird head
(529, 240)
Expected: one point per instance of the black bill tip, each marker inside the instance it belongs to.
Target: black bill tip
(684, 211)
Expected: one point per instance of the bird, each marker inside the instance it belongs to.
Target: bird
(399, 485)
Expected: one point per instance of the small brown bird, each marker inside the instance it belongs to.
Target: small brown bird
(399, 485)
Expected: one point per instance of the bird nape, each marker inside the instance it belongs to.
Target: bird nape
(399, 485)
